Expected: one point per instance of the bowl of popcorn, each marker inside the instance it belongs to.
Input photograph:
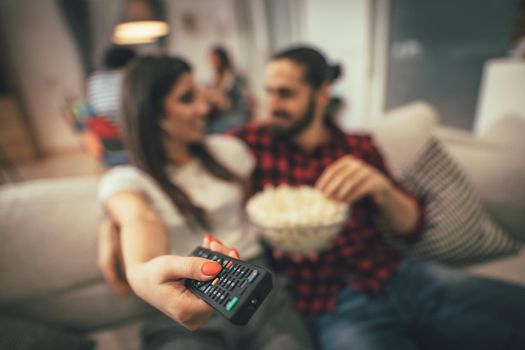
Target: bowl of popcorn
(296, 219)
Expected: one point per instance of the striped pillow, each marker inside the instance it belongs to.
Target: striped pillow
(458, 230)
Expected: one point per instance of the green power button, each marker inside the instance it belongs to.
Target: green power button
(232, 304)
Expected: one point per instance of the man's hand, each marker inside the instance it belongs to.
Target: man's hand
(349, 179)
(110, 261)
(346, 180)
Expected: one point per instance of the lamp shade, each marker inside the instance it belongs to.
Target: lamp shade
(139, 26)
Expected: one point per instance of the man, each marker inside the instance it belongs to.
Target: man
(300, 147)
(360, 293)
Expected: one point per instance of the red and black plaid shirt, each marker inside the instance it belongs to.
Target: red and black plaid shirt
(359, 257)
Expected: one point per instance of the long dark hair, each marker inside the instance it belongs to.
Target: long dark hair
(148, 81)
(225, 63)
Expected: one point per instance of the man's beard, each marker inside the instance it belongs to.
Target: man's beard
(297, 127)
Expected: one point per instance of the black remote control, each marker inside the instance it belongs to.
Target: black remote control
(237, 291)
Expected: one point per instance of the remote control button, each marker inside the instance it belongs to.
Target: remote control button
(230, 263)
(232, 304)
(215, 281)
(253, 276)
(234, 283)
(223, 271)
(243, 284)
(197, 283)
(222, 298)
(208, 290)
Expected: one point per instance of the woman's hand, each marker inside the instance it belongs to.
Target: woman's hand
(110, 261)
(214, 244)
(160, 282)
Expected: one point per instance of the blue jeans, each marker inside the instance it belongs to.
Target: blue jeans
(427, 306)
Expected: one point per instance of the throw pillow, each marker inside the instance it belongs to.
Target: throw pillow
(458, 231)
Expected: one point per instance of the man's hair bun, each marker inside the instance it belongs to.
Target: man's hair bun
(334, 72)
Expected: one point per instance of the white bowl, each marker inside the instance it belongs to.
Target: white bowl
(300, 239)
(296, 219)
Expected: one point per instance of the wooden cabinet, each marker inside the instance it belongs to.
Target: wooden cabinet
(15, 143)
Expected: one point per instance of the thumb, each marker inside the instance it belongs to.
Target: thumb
(177, 267)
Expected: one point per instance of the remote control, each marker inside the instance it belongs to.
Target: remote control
(237, 291)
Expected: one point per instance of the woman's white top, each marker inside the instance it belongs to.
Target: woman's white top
(222, 200)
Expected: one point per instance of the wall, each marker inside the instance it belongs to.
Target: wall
(44, 64)
(342, 29)
(196, 26)
(104, 16)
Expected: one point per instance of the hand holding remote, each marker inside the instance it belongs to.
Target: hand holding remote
(160, 282)
(237, 290)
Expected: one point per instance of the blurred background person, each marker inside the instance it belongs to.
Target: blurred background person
(104, 96)
(230, 100)
(104, 85)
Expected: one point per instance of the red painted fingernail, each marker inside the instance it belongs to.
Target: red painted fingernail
(211, 268)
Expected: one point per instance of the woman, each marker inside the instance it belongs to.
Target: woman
(231, 103)
(183, 183)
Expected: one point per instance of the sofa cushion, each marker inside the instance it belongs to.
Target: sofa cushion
(28, 335)
(48, 269)
(403, 132)
(457, 230)
(495, 165)
(499, 179)
(85, 308)
(48, 235)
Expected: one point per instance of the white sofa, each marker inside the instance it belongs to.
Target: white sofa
(492, 161)
(48, 231)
